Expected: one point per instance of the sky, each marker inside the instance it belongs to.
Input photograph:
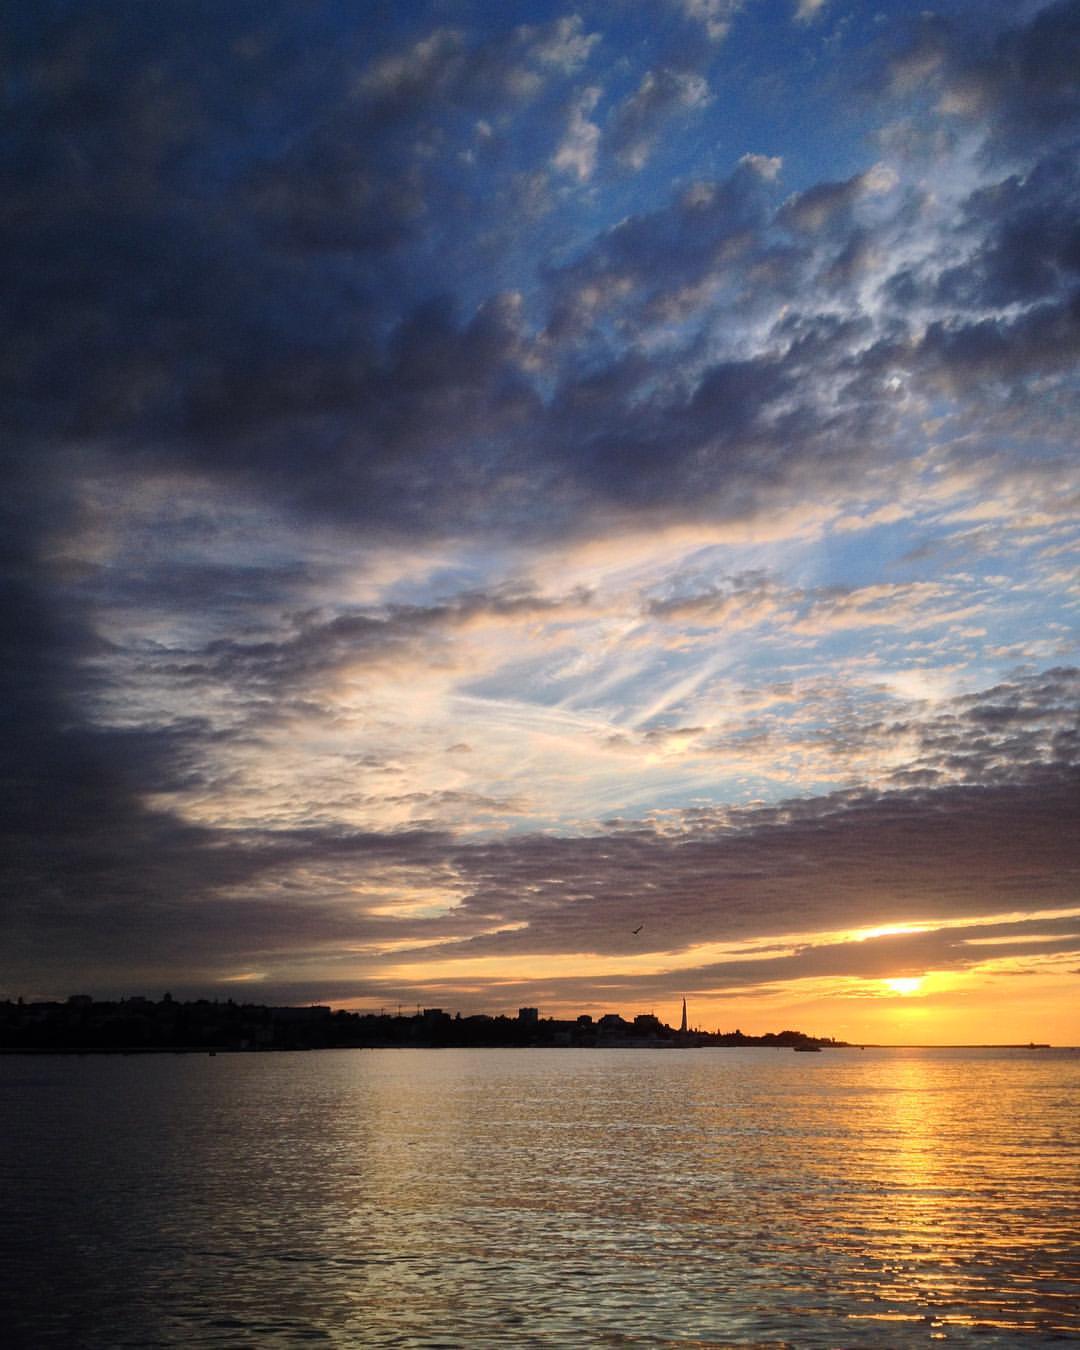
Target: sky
(566, 505)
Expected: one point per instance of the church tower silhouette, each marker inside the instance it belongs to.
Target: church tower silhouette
(682, 1024)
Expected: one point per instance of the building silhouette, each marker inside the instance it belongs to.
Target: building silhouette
(137, 1024)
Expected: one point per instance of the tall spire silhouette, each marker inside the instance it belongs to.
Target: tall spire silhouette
(682, 1024)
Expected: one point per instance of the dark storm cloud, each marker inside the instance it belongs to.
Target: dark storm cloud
(73, 824)
(117, 888)
(206, 206)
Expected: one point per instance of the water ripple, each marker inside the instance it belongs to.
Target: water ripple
(563, 1198)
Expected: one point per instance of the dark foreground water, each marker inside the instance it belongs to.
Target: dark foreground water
(563, 1198)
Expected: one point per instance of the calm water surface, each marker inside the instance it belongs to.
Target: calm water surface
(562, 1197)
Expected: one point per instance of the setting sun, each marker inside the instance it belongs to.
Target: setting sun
(907, 984)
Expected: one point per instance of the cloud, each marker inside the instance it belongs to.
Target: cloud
(708, 227)
(750, 599)
(808, 10)
(448, 65)
(1021, 81)
(123, 877)
(316, 645)
(715, 16)
(578, 149)
(1044, 340)
(1031, 244)
(638, 120)
(564, 45)
(819, 206)
(743, 601)
(766, 166)
(400, 77)
(276, 303)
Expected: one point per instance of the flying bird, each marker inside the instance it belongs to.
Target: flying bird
(638, 929)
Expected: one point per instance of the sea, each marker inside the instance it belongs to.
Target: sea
(565, 1197)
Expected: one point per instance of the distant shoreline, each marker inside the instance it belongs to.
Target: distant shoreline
(126, 1051)
(83, 1025)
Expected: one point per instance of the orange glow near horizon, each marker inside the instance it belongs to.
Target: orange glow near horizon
(987, 1004)
(971, 997)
